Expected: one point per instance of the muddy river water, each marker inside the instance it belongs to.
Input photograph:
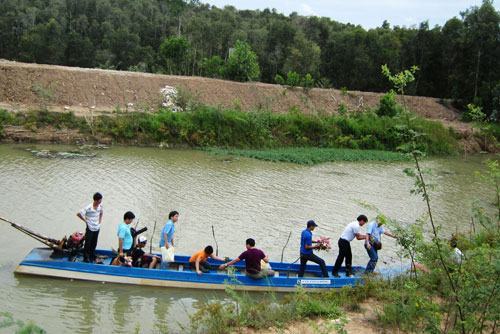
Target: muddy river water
(240, 197)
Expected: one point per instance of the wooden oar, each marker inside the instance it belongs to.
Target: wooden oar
(216, 244)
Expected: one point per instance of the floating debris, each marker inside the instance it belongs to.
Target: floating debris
(47, 154)
(93, 147)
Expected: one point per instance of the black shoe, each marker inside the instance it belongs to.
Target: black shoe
(335, 274)
(349, 275)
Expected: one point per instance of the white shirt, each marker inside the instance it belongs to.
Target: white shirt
(350, 231)
(457, 255)
(91, 215)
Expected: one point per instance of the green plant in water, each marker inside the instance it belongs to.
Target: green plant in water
(8, 321)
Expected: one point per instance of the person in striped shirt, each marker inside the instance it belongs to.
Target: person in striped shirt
(91, 215)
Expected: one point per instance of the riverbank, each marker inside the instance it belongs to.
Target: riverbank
(249, 132)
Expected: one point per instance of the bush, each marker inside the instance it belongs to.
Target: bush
(388, 105)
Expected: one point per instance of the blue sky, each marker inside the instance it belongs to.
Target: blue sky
(368, 13)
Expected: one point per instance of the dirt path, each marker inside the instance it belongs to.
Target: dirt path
(27, 86)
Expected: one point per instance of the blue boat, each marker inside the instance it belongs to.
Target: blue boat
(42, 262)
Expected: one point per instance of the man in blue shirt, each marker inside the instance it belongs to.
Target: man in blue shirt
(167, 239)
(125, 239)
(167, 233)
(373, 243)
(306, 250)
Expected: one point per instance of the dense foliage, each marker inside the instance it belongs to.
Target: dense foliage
(211, 127)
(460, 60)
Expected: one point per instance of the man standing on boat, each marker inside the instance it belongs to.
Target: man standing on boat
(351, 231)
(92, 217)
(306, 250)
(167, 239)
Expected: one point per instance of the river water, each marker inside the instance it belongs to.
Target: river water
(240, 197)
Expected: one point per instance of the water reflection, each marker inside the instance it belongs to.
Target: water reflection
(83, 307)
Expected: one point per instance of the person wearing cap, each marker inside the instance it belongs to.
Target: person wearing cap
(199, 259)
(351, 231)
(306, 250)
(140, 258)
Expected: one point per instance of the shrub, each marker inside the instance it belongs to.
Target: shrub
(293, 79)
(388, 105)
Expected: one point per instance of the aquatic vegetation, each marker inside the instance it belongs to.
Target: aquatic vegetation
(312, 155)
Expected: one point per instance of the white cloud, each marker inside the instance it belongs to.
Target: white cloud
(307, 10)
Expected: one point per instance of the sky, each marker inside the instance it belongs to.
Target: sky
(367, 13)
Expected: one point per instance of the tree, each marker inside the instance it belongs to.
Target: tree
(212, 67)
(174, 52)
(303, 56)
(242, 64)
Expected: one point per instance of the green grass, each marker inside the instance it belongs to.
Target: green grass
(261, 130)
(312, 155)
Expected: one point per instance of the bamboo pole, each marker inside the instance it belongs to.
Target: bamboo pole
(216, 244)
(151, 240)
(283, 250)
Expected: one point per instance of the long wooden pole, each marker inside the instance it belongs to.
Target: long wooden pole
(216, 244)
(151, 240)
(283, 250)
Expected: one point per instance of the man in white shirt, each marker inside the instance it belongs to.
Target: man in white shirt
(351, 231)
(92, 217)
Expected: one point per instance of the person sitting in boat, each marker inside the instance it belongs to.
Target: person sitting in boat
(199, 259)
(125, 239)
(306, 250)
(167, 239)
(253, 258)
(140, 258)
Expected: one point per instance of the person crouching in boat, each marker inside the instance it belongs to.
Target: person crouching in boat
(199, 259)
(253, 258)
(140, 258)
(125, 239)
(306, 250)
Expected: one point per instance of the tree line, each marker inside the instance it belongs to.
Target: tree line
(460, 60)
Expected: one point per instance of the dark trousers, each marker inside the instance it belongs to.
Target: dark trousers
(314, 258)
(90, 245)
(344, 252)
